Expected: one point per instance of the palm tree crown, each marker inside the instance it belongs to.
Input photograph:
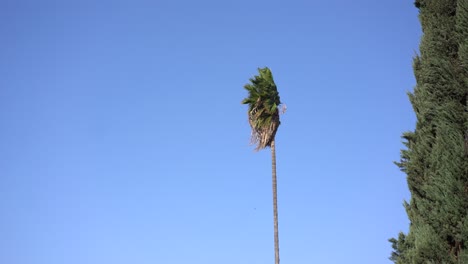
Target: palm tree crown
(263, 101)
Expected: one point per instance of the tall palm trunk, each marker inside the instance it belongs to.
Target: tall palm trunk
(275, 203)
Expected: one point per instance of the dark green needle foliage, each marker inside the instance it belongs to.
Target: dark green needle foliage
(436, 155)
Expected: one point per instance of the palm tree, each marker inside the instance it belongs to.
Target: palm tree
(263, 113)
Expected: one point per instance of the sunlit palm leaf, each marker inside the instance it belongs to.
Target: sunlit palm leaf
(263, 102)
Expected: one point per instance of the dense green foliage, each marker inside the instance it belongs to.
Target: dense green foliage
(263, 102)
(436, 155)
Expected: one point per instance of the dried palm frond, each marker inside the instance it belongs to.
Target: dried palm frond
(263, 113)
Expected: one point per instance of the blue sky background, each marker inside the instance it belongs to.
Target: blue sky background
(123, 139)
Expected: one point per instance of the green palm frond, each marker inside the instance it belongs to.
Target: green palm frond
(263, 101)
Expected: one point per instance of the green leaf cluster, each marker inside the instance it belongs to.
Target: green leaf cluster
(263, 101)
(436, 155)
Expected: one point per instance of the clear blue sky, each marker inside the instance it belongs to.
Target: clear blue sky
(123, 139)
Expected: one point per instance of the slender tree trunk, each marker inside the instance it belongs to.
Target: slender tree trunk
(275, 203)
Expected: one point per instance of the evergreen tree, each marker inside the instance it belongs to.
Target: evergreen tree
(436, 155)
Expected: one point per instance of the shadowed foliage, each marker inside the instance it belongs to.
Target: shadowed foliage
(436, 155)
